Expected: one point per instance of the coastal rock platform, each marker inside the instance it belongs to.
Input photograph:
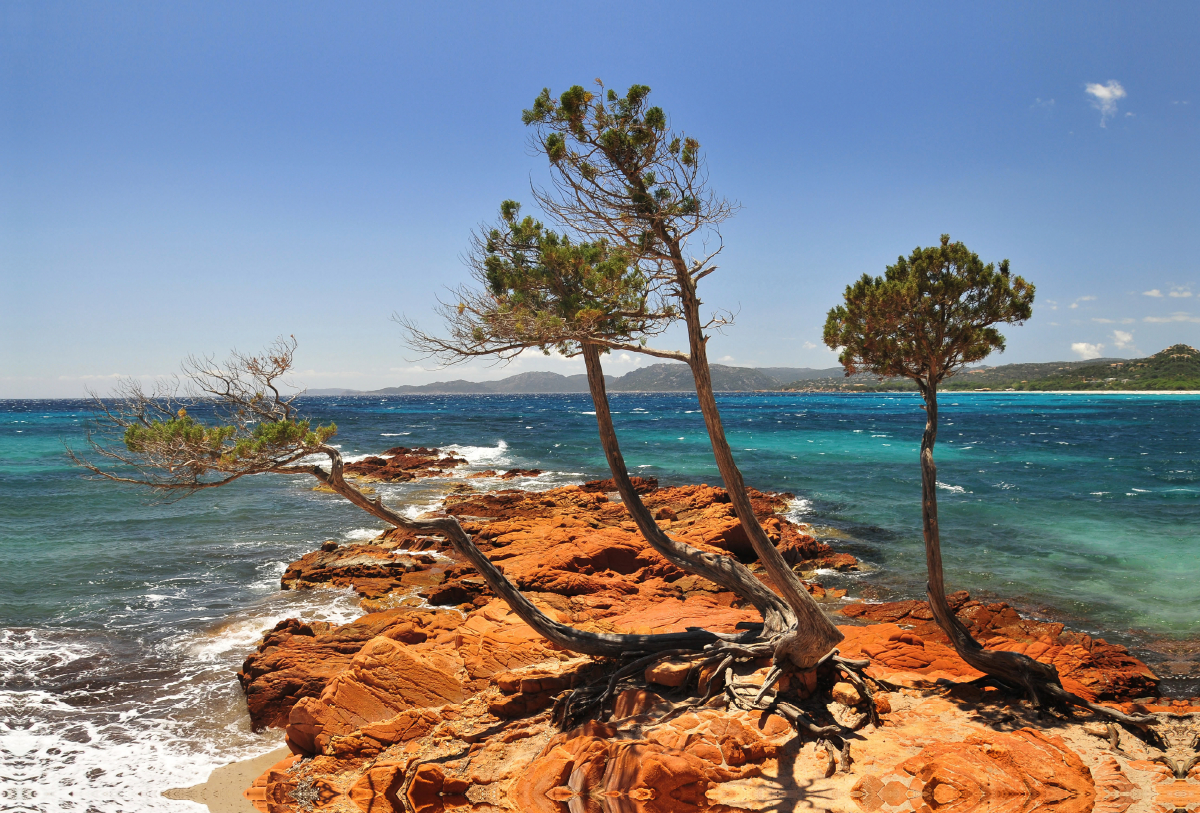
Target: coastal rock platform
(439, 699)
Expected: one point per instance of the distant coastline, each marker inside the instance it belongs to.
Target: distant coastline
(1175, 369)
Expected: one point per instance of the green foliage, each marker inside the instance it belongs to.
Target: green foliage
(547, 290)
(1175, 368)
(222, 447)
(622, 146)
(932, 313)
(181, 430)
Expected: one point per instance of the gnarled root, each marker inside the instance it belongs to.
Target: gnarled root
(713, 681)
(1038, 681)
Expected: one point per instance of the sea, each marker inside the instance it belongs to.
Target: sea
(124, 619)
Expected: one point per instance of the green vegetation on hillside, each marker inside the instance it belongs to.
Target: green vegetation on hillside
(1176, 368)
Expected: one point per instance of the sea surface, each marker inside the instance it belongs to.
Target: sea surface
(123, 620)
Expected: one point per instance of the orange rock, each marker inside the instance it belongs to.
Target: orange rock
(402, 464)
(376, 790)
(385, 678)
(633, 702)
(1023, 771)
(370, 739)
(1097, 671)
(669, 673)
(295, 661)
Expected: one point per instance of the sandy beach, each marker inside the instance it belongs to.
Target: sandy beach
(223, 790)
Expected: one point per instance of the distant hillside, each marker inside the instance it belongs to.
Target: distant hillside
(1176, 368)
(678, 378)
(1008, 375)
(786, 375)
(654, 378)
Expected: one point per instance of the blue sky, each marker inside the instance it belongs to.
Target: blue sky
(188, 178)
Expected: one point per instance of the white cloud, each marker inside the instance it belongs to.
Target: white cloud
(1105, 97)
(1043, 103)
(1075, 304)
(1178, 316)
(1102, 321)
(1086, 350)
(808, 346)
(1122, 339)
(1180, 293)
(1152, 292)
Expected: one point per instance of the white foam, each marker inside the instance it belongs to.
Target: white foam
(486, 456)
(240, 634)
(362, 534)
(114, 755)
(393, 434)
(950, 488)
(164, 723)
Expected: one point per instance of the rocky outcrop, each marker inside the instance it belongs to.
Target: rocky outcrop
(402, 464)
(1023, 771)
(908, 640)
(438, 709)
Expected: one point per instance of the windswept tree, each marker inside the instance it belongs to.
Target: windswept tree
(620, 173)
(536, 289)
(930, 315)
(236, 419)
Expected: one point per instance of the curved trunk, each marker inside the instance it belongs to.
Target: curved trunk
(1039, 681)
(724, 570)
(816, 635)
(567, 637)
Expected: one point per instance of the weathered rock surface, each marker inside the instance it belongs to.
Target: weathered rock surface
(908, 640)
(1025, 770)
(402, 464)
(413, 708)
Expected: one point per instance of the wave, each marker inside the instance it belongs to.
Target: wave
(362, 534)
(95, 722)
(950, 488)
(486, 456)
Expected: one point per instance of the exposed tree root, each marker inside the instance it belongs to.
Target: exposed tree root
(1039, 682)
(1177, 740)
(711, 679)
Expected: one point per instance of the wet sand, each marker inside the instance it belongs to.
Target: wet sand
(223, 790)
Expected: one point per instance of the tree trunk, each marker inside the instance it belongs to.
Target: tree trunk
(1039, 681)
(816, 635)
(724, 570)
(567, 637)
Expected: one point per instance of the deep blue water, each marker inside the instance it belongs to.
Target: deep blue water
(124, 620)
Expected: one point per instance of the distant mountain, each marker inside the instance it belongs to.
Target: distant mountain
(1176, 367)
(678, 378)
(654, 378)
(786, 375)
(534, 382)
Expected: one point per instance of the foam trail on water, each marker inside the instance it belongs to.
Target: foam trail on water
(92, 722)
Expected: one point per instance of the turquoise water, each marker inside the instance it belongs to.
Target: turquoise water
(123, 621)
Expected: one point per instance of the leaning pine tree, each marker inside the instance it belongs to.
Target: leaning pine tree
(930, 315)
(620, 173)
(236, 419)
(535, 289)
